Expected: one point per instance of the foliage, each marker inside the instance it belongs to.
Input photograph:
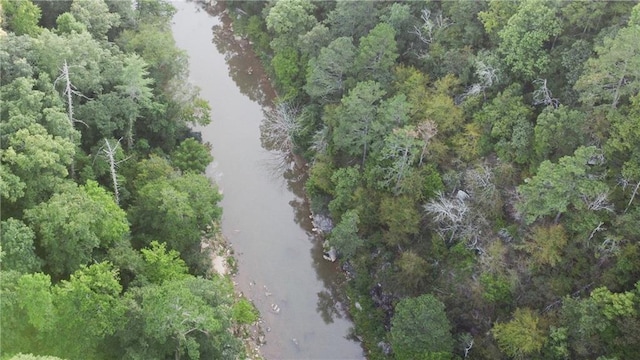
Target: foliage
(197, 330)
(91, 293)
(353, 132)
(73, 224)
(524, 36)
(36, 163)
(69, 92)
(95, 16)
(420, 329)
(496, 288)
(244, 312)
(401, 217)
(192, 156)
(18, 250)
(531, 197)
(557, 186)
(546, 245)
(507, 122)
(327, 74)
(345, 235)
(558, 132)
(175, 210)
(21, 16)
(521, 336)
(161, 265)
(511, 123)
(377, 53)
(613, 75)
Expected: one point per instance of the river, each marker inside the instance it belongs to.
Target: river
(265, 215)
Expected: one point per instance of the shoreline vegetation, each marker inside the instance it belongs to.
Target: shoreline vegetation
(110, 229)
(224, 263)
(478, 161)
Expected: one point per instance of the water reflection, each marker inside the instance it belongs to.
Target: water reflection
(331, 303)
(246, 71)
(244, 67)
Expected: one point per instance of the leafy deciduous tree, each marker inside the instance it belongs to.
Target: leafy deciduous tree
(162, 265)
(18, 250)
(420, 329)
(96, 17)
(615, 73)
(521, 336)
(22, 16)
(192, 156)
(525, 35)
(72, 224)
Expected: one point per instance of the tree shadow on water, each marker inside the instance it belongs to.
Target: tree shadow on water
(327, 307)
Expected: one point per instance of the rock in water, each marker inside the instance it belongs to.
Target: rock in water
(330, 255)
(275, 308)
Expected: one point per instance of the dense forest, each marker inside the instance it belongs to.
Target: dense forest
(480, 161)
(105, 207)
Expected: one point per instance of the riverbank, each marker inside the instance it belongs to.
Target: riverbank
(224, 264)
(265, 214)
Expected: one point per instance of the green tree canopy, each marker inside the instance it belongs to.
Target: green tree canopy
(73, 224)
(175, 211)
(192, 156)
(35, 163)
(507, 120)
(521, 336)
(420, 329)
(18, 250)
(353, 133)
(162, 265)
(88, 309)
(558, 132)
(289, 19)
(377, 54)
(345, 235)
(185, 318)
(525, 35)
(615, 73)
(95, 16)
(21, 16)
(327, 74)
(557, 186)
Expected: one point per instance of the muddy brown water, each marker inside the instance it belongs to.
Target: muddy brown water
(265, 215)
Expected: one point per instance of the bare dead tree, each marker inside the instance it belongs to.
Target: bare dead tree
(600, 202)
(400, 152)
(430, 24)
(487, 76)
(487, 200)
(633, 195)
(596, 230)
(449, 214)
(543, 96)
(68, 92)
(468, 345)
(279, 126)
(320, 141)
(426, 130)
(610, 246)
(109, 152)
